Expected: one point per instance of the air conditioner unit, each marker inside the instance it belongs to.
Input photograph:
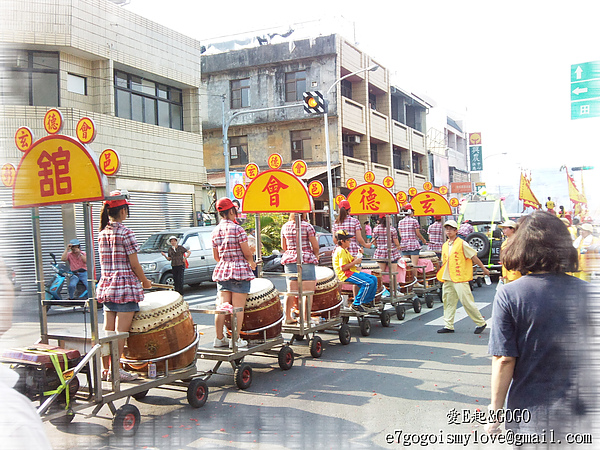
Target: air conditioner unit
(354, 139)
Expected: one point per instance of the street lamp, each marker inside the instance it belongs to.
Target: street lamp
(373, 68)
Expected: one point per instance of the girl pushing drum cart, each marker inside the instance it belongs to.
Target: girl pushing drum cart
(51, 373)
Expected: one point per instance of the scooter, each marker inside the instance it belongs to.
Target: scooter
(62, 277)
(272, 263)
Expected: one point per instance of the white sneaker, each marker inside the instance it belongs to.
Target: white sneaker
(418, 285)
(221, 342)
(123, 375)
(240, 343)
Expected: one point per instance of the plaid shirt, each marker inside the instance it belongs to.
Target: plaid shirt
(289, 233)
(465, 229)
(232, 265)
(436, 237)
(352, 226)
(118, 284)
(380, 238)
(407, 227)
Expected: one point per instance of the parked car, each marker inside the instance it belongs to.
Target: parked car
(326, 248)
(201, 260)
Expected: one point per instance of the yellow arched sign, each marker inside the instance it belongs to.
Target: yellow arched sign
(275, 191)
(56, 169)
(371, 198)
(430, 204)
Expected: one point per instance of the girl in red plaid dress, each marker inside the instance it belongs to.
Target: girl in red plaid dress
(121, 286)
(233, 271)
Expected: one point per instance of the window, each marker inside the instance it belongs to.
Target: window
(346, 87)
(301, 148)
(295, 86)
(33, 78)
(240, 91)
(238, 150)
(143, 100)
(192, 242)
(76, 84)
(417, 163)
(372, 101)
(373, 153)
(348, 149)
(397, 156)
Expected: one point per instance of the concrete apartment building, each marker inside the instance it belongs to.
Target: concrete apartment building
(373, 126)
(137, 80)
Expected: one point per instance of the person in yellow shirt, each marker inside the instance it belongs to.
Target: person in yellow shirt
(456, 272)
(582, 244)
(508, 228)
(345, 268)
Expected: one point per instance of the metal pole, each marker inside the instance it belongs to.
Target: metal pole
(39, 273)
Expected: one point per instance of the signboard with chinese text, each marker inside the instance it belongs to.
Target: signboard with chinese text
(109, 162)
(251, 171)
(23, 139)
(276, 191)
(585, 90)
(299, 168)
(475, 139)
(429, 204)
(86, 130)
(315, 188)
(476, 157)
(53, 121)
(371, 198)
(56, 169)
(9, 173)
(461, 187)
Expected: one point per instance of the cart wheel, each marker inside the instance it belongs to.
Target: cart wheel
(126, 420)
(479, 282)
(400, 312)
(385, 318)
(64, 420)
(417, 305)
(316, 347)
(243, 376)
(140, 395)
(345, 319)
(429, 301)
(285, 358)
(197, 393)
(298, 337)
(365, 327)
(344, 334)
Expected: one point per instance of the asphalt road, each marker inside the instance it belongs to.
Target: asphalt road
(399, 381)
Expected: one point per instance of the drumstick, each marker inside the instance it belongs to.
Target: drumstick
(162, 286)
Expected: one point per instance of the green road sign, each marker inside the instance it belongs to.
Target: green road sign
(585, 90)
(585, 109)
(585, 71)
(476, 157)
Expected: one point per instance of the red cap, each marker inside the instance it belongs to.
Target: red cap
(345, 204)
(115, 203)
(408, 206)
(437, 217)
(382, 216)
(223, 204)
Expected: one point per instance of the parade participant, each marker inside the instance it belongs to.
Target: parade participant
(78, 265)
(121, 285)
(233, 271)
(352, 227)
(465, 229)
(550, 206)
(436, 236)
(411, 239)
(561, 211)
(310, 252)
(177, 255)
(538, 325)
(368, 231)
(380, 241)
(508, 228)
(582, 243)
(345, 264)
(456, 272)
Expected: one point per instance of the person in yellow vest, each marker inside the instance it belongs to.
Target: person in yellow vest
(456, 272)
(582, 243)
(508, 228)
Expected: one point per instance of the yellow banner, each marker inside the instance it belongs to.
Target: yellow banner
(430, 203)
(56, 169)
(574, 194)
(276, 191)
(527, 195)
(371, 198)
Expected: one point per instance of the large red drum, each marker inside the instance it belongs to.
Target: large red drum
(371, 267)
(409, 279)
(263, 313)
(162, 326)
(327, 299)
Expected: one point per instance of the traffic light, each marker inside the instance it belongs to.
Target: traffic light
(314, 103)
(575, 169)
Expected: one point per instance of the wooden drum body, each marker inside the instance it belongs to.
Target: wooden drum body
(431, 276)
(327, 299)
(409, 279)
(373, 269)
(162, 326)
(263, 313)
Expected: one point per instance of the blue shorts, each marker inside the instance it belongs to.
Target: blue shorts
(411, 252)
(308, 271)
(121, 307)
(237, 286)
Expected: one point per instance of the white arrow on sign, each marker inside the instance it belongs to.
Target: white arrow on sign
(579, 90)
(578, 72)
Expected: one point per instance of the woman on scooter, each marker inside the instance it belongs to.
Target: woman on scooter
(78, 265)
(121, 286)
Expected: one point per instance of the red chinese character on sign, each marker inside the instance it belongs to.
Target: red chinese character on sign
(52, 122)
(24, 138)
(273, 187)
(251, 172)
(107, 164)
(369, 199)
(84, 129)
(56, 165)
(427, 209)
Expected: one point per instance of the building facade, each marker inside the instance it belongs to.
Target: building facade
(138, 81)
(373, 126)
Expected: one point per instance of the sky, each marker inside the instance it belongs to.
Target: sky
(504, 66)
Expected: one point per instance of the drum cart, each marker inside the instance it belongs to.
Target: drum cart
(427, 293)
(242, 371)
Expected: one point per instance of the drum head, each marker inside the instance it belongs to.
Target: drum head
(259, 286)
(157, 308)
(323, 273)
(427, 255)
